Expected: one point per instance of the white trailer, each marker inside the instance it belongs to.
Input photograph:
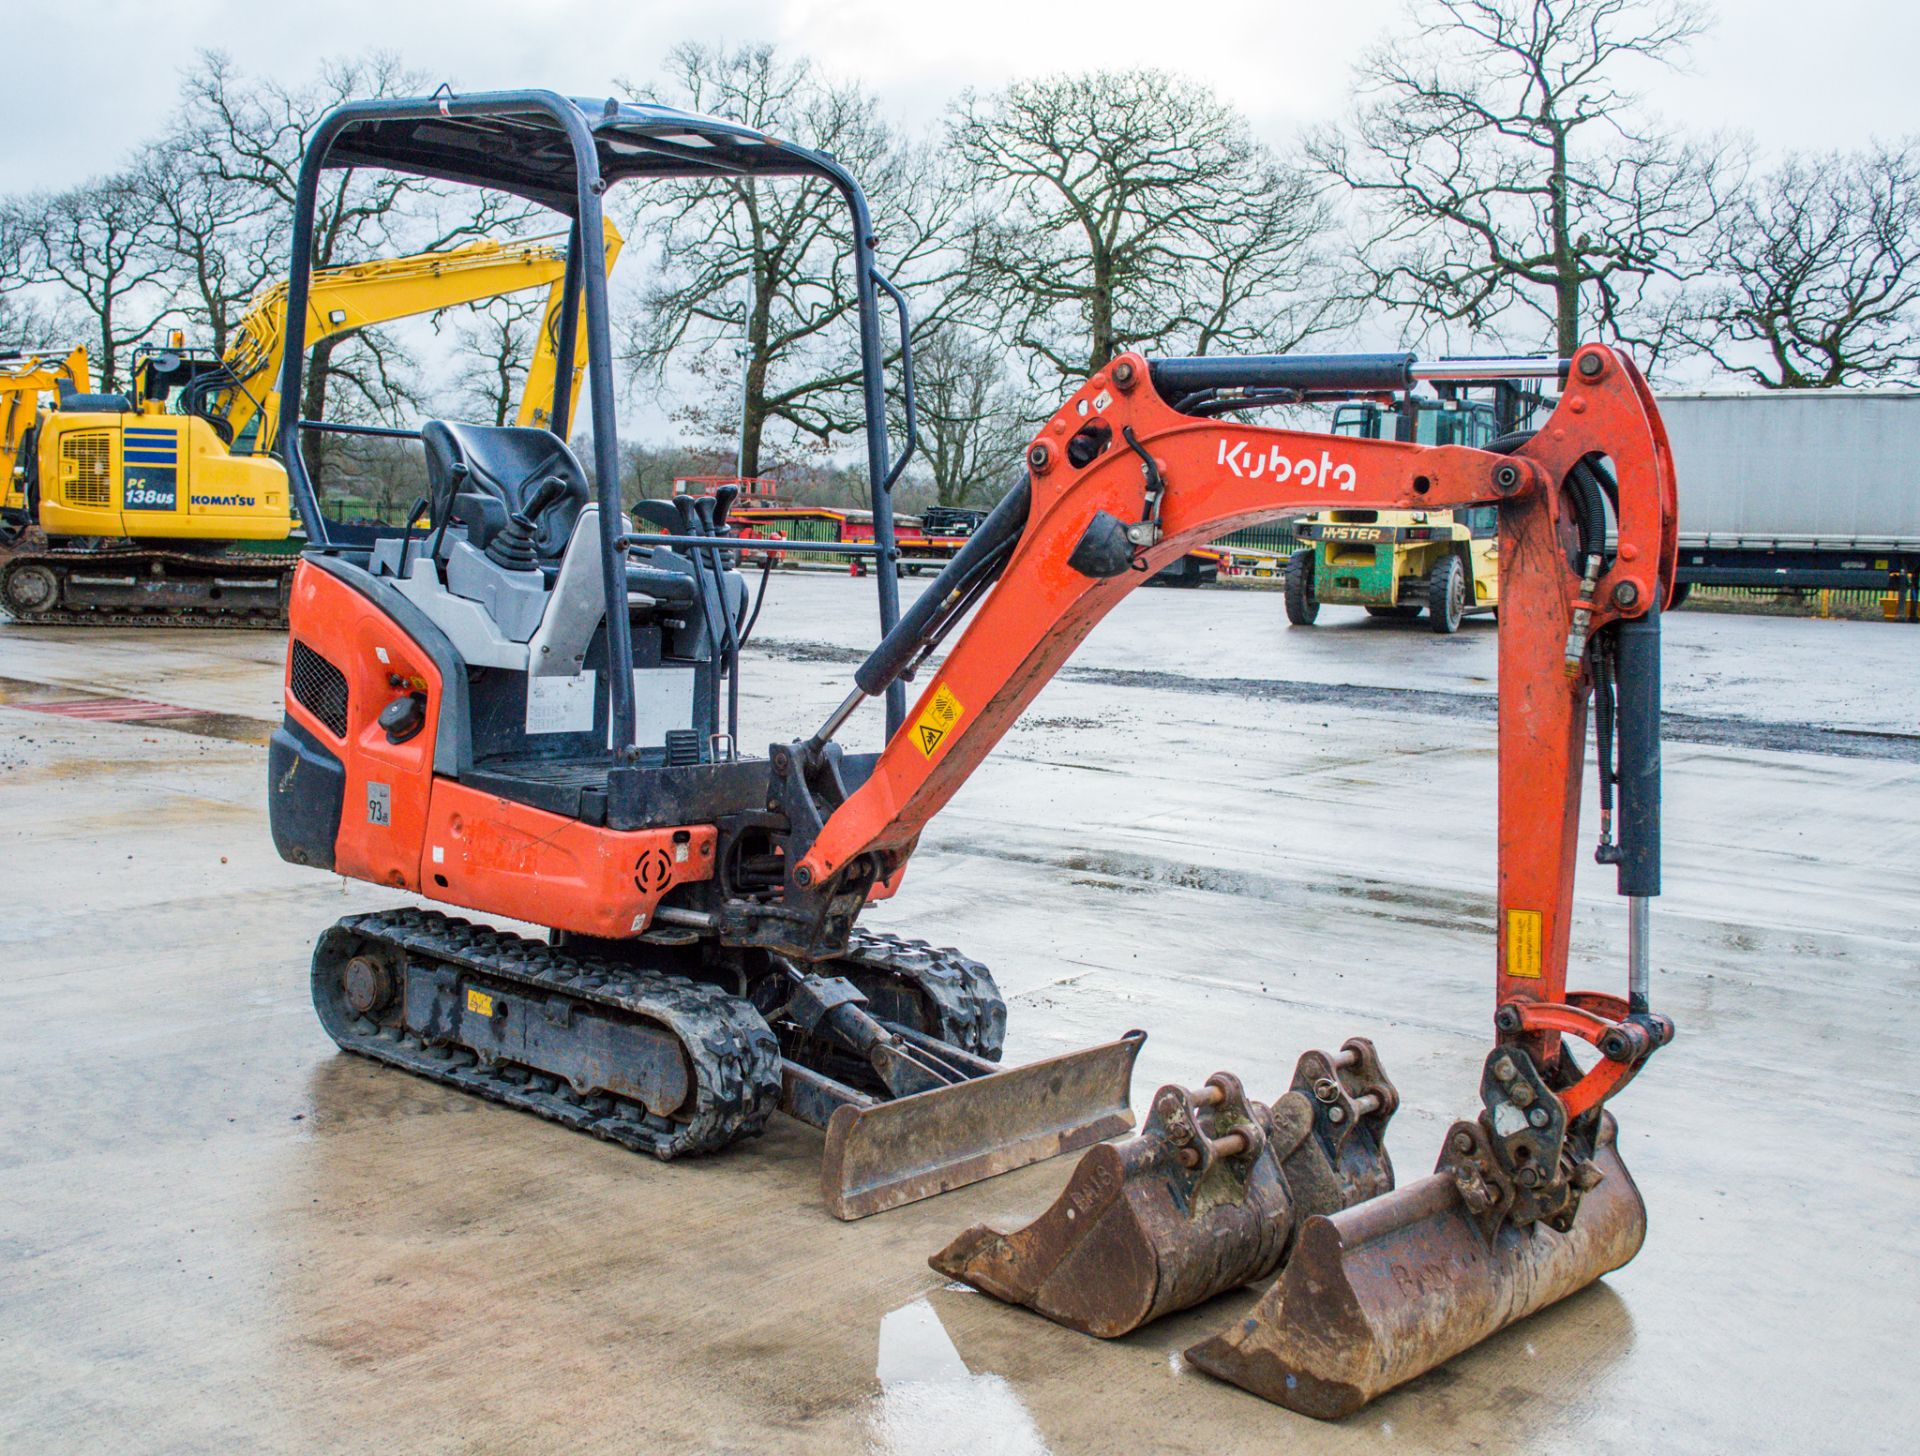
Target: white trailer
(1807, 488)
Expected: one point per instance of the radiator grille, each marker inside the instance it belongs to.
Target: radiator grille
(320, 688)
(86, 468)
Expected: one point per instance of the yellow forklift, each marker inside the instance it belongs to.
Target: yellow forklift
(1398, 564)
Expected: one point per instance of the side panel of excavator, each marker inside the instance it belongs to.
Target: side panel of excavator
(155, 477)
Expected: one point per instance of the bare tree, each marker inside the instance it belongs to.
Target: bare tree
(970, 423)
(16, 265)
(1816, 278)
(1504, 169)
(25, 322)
(96, 247)
(495, 349)
(1135, 210)
(220, 235)
(765, 266)
(252, 134)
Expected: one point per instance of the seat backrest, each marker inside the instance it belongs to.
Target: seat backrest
(508, 464)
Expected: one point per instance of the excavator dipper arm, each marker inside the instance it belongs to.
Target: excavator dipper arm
(1119, 484)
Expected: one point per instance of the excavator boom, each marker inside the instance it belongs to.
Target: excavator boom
(25, 378)
(345, 300)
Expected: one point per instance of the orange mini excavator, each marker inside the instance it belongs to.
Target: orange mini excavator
(530, 709)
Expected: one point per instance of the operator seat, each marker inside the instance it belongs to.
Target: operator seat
(479, 475)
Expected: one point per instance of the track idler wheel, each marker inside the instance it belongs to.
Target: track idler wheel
(1205, 1199)
(28, 589)
(1390, 1289)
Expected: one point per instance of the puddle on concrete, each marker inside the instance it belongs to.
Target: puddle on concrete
(930, 1404)
(87, 706)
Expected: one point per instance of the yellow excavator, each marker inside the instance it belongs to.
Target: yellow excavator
(27, 377)
(166, 505)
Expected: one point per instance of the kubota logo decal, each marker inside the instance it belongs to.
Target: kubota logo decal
(1248, 461)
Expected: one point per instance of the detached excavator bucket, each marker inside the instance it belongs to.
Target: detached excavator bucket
(987, 1120)
(1207, 1198)
(1387, 1290)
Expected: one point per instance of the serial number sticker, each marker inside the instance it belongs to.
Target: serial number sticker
(561, 704)
(1523, 943)
(479, 1002)
(943, 714)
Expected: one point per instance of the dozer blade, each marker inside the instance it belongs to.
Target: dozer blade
(1387, 1290)
(881, 1154)
(1207, 1198)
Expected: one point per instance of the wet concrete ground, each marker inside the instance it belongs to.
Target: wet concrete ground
(217, 1233)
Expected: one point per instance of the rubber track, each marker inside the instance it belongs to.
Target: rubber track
(242, 564)
(973, 1015)
(733, 1053)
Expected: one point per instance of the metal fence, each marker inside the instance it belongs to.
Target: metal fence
(1274, 536)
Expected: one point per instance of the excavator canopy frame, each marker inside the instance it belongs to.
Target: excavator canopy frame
(565, 153)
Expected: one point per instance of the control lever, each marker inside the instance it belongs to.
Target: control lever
(512, 549)
(689, 515)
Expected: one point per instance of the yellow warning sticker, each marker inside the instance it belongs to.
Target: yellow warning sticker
(941, 717)
(479, 1002)
(1523, 943)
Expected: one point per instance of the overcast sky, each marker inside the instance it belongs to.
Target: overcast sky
(86, 80)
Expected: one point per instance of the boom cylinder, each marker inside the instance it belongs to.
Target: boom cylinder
(1637, 659)
(997, 532)
(1361, 373)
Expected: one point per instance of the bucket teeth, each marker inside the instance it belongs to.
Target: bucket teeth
(1206, 1198)
(1379, 1293)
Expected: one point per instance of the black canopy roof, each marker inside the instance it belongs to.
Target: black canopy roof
(515, 142)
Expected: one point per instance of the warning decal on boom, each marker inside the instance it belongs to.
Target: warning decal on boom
(1523, 943)
(942, 716)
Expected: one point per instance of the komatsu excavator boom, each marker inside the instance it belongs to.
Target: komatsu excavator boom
(531, 711)
(27, 379)
(167, 505)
